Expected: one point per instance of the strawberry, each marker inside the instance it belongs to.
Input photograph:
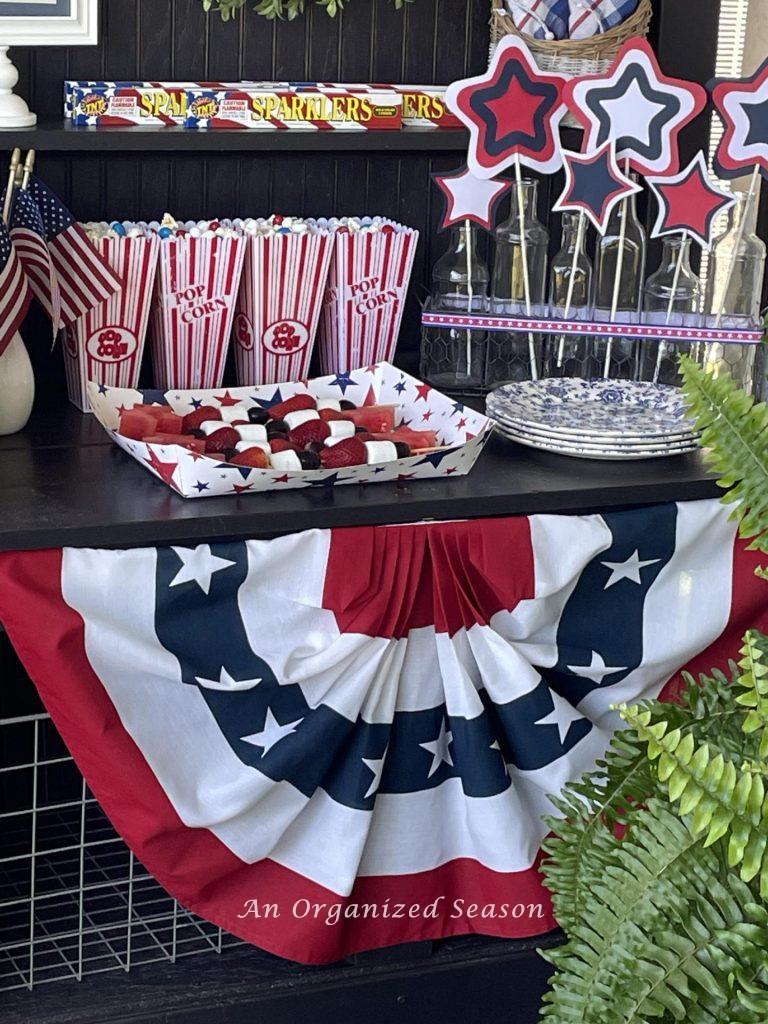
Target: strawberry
(306, 433)
(329, 415)
(295, 404)
(255, 457)
(349, 452)
(277, 444)
(193, 419)
(221, 441)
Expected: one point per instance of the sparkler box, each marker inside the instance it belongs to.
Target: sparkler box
(130, 103)
(107, 344)
(283, 106)
(462, 432)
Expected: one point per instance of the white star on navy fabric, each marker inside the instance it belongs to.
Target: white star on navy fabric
(470, 198)
(198, 565)
(375, 765)
(272, 732)
(597, 670)
(563, 716)
(630, 570)
(226, 683)
(438, 748)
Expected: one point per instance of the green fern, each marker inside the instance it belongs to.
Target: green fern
(735, 432)
(754, 679)
(723, 799)
(274, 9)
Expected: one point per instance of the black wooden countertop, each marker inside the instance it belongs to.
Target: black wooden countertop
(62, 482)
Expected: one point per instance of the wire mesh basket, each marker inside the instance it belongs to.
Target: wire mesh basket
(74, 901)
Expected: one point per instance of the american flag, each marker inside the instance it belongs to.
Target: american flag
(85, 279)
(14, 290)
(369, 717)
(28, 235)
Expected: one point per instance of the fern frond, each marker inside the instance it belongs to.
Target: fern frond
(659, 936)
(735, 428)
(754, 679)
(723, 799)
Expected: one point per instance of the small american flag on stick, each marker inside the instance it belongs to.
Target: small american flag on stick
(85, 279)
(28, 237)
(14, 290)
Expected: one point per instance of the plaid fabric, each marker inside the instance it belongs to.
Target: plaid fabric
(543, 19)
(589, 17)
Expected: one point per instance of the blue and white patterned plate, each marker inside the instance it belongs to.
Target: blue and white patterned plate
(682, 436)
(619, 453)
(607, 408)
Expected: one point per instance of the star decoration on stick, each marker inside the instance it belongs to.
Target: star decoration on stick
(594, 184)
(638, 107)
(513, 111)
(470, 198)
(742, 106)
(689, 203)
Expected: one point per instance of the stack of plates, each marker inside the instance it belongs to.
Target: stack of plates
(595, 419)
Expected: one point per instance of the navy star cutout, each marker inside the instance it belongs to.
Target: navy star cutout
(343, 381)
(436, 458)
(401, 387)
(196, 403)
(457, 407)
(329, 481)
(200, 486)
(268, 403)
(742, 106)
(103, 389)
(594, 184)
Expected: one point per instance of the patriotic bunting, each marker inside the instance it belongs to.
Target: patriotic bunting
(689, 203)
(594, 185)
(638, 107)
(468, 197)
(28, 236)
(742, 105)
(513, 112)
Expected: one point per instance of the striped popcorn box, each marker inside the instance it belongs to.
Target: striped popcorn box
(364, 302)
(107, 344)
(193, 309)
(281, 297)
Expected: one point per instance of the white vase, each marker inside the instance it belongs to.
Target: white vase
(17, 387)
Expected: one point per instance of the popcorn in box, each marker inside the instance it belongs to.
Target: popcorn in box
(461, 432)
(107, 344)
(198, 281)
(281, 297)
(367, 287)
(282, 106)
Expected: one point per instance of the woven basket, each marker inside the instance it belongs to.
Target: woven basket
(573, 57)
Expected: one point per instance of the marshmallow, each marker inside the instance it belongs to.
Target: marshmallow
(244, 446)
(287, 460)
(329, 403)
(295, 419)
(252, 432)
(342, 428)
(211, 426)
(230, 413)
(380, 451)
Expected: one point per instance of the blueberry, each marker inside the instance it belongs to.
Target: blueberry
(277, 435)
(258, 416)
(309, 460)
(196, 433)
(314, 446)
(346, 404)
(277, 427)
(230, 454)
(403, 450)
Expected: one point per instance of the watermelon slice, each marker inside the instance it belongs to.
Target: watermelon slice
(170, 423)
(375, 418)
(416, 439)
(137, 423)
(193, 444)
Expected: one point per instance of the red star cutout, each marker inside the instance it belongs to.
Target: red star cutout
(422, 391)
(449, 471)
(227, 400)
(406, 476)
(239, 489)
(689, 203)
(121, 409)
(513, 112)
(427, 415)
(461, 424)
(165, 470)
(284, 479)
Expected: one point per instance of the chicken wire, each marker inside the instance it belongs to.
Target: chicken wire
(74, 901)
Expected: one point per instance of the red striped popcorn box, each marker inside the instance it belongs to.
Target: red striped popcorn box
(278, 310)
(193, 309)
(365, 299)
(107, 344)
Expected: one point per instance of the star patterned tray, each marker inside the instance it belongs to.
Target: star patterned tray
(462, 433)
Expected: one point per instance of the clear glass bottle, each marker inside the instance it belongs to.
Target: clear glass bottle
(619, 292)
(734, 290)
(514, 357)
(671, 295)
(455, 358)
(570, 298)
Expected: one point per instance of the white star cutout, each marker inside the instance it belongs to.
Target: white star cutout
(226, 683)
(198, 565)
(563, 716)
(596, 671)
(470, 198)
(439, 749)
(375, 765)
(272, 733)
(629, 570)
(632, 114)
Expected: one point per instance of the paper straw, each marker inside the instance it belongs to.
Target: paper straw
(470, 292)
(619, 268)
(524, 256)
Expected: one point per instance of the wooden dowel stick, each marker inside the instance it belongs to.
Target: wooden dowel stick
(524, 258)
(29, 166)
(7, 201)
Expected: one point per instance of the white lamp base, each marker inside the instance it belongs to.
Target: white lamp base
(14, 112)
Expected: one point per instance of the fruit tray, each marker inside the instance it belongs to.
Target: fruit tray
(460, 432)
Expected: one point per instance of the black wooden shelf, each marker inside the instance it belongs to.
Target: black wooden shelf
(65, 137)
